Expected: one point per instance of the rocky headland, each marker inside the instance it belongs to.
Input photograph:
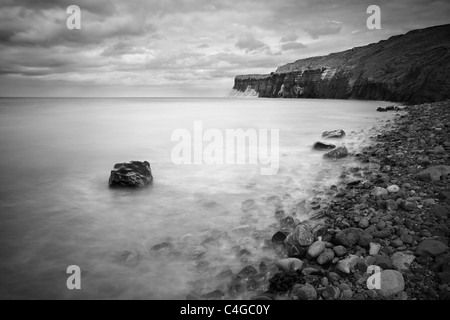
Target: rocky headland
(411, 68)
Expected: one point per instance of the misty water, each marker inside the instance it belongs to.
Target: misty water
(56, 208)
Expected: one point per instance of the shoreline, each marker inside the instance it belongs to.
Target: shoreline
(383, 214)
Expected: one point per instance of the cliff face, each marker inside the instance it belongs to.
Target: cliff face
(412, 68)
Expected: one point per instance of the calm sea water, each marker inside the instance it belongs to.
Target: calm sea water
(56, 209)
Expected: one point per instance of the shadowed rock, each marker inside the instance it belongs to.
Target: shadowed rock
(134, 174)
(323, 146)
(338, 153)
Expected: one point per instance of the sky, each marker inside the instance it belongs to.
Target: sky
(181, 48)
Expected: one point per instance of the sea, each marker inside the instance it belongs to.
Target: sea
(213, 219)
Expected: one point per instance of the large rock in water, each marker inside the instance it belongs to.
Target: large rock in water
(134, 174)
(338, 153)
(323, 146)
(335, 134)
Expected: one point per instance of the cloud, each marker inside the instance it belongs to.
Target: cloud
(324, 28)
(292, 46)
(289, 38)
(250, 44)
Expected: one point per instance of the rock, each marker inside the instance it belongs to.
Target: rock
(301, 235)
(391, 283)
(433, 173)
(391, 205)
(393, 189)
(382, 234)
(402, 261)
(279, 237)
(439, 211)
(340, 251)
(348, 237)
(295, 251)
(431, 248)
(162, 246)
(363, 223)
(408, 206)
(331, 293)
(248, 205)
(378, 192)
(339, 153)
(374, 248)
(326, 257)
(316, 249)
(335, 134)
(289, 264)
(347, 294)
(406, 238)
(347, 264)
(383, 262)
(134, 174)
(323, 146)
(397, 243)
(381, 109)
(365, 239)
(304, 292)
(439, 149)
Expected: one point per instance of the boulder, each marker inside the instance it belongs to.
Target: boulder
(433, 173)
(335, 134)
(402, 261)
(323, 146)
(316, 249)
(289, 264)
(338, 153)
(348, 237)
(134, 174)
(347, 264)
(301, 235)
(431, 248)
(391, 283)
(304, 292)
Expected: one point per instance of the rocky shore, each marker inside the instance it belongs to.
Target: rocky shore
(385, 233)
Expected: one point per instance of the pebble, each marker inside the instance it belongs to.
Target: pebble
(304, 292)
(401, 261)
(326, 257)
(289, 264)
(374, 248)
(347, 264)
(393, 189)
(316, 249)
(340, 251)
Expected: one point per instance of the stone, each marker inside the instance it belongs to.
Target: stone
(397, 243)
(378, 192)
(348, 237)
(347, 264)
(365, 239)
(407, 238)
(439, 211)
(301, 235)
(162, 246)
(374, 248)
(391, 205)
(326, 257)
(391, 283)
(331, 293)
(316, 249)
(402, 261)
(382, 234)
(134, 174)
(335, 134)
(339, 153)
(393, 189)
(383, 262)
(295, 251)
(304, 292)
(289, 264)
(323, 146)
(340, 251)
(433, 173)
(279, 237)
(431, 248)
(408, 206)
(363, 223)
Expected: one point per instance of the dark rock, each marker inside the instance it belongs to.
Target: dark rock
(304, 292)
(340, 251)
(323, 146)
(433, 173)
(383, 262)
(296, 251)
(431, 248)
(335, 134)
(338, 153)
(134, 174)
(382, 234)
(279, 237)
(301, 235)
(348, 237)
(365, 239)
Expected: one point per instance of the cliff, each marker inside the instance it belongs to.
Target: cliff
(410, 68)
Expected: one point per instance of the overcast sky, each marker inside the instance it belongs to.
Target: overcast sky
(181, 47)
